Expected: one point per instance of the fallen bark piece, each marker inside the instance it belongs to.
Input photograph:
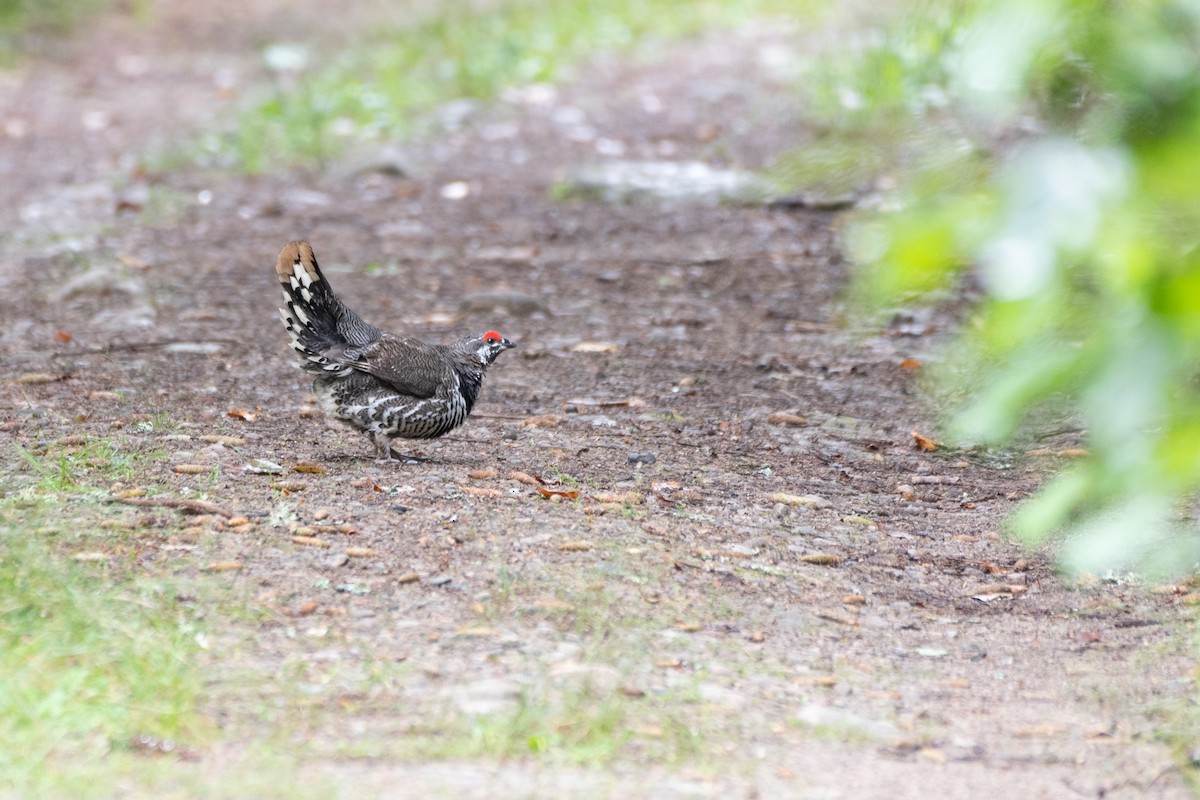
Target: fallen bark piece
(184, 505)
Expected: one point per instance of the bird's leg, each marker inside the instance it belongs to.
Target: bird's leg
(384, 451)
(383, 445)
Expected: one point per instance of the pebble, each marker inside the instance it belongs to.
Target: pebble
(642, 458)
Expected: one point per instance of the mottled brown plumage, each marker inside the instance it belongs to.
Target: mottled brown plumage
(384, 385)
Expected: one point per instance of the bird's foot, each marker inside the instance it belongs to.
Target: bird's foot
(407, 458)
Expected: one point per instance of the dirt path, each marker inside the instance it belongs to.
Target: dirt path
(735, 604)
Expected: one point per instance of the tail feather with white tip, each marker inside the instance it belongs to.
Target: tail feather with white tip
(324, 333)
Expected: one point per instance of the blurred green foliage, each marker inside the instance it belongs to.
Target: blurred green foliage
(464, 51)
(21, 17)
(1053, 146)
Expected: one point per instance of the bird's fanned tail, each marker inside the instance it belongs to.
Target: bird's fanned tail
(323, 332)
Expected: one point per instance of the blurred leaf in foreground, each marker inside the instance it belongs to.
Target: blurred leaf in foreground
(1082, 231)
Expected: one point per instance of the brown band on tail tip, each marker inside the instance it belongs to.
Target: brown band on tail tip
(292, 253)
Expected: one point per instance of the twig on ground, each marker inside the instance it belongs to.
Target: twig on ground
(184, 505)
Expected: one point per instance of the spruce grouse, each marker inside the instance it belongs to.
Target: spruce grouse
(385, 385)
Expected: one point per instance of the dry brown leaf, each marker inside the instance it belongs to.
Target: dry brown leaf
(825, 681)
(233, 522)
(34, 378)
(798, 499)
(932, 754)
(476, 632)
(570, 494)
(311, 469)
(923, 442)
(341, 527)
(304, 609)
(482, 474)
(228, 441)
(784, 418)
(242, 414)
(594, 347)
(910, 363)
(542, 421)
(623, 498)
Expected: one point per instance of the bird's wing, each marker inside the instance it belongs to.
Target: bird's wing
(410, 366)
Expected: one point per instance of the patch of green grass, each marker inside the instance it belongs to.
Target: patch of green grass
(94, 463)
(86, 665)
(380, 88)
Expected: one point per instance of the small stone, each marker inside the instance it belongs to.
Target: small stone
(440, 580)
(642, 458)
